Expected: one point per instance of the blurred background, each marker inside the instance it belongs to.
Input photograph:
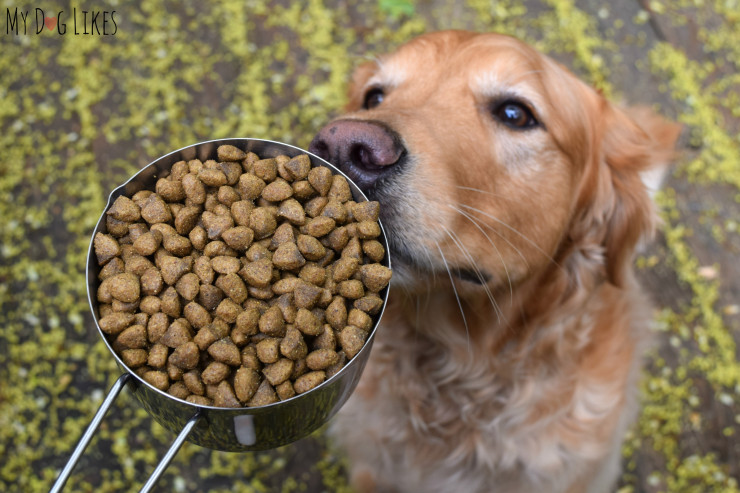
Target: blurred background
(79, 113)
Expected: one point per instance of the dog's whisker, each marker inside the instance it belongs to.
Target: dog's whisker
(514, 230)
(495, 231)
(472, 189)
(457, 296)
(477, 271)
(506, 270)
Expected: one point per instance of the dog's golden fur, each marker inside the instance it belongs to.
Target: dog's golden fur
(524, 381)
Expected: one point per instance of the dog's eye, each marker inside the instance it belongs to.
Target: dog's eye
(373, 98)
(514, 115)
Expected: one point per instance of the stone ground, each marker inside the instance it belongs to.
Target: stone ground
(79, 114)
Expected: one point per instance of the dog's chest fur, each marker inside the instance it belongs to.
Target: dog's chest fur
(441, 410)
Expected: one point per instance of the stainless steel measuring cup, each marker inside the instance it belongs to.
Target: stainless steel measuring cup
(230, 429)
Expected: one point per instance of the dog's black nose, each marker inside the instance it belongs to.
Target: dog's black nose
(364, 150)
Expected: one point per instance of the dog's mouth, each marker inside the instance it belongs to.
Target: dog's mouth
(421, 266)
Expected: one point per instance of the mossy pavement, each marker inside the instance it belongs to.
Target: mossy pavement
(80, 113)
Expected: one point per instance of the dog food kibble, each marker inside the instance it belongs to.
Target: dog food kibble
(240, 281)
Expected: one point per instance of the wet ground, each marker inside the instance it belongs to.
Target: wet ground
(81, 112)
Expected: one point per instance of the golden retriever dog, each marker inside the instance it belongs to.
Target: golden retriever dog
(513, 200)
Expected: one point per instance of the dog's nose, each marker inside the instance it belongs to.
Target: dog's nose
(364, 150)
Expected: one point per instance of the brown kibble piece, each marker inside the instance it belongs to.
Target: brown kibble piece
(226, 352)
(339, 189)
(195, 191)
(225, 264)
(216, 224)
(133, 358)
(374, 250)
(170, 302)
(225, 396)
(125, 287)
(283, 234)
(310, 247)
(313, 274)
(268, 350)
(239, 238)
(320, 179)
(176, 335)
(156, 210)
(306, 322)
(150, 305)
(115, 322)
(375, 276)
(285, 390)
(336, 313)
(292, 211)
(360, 319)
(106, 247)
(198, 237)
(186, 219)
(264, 395)
(233, 287)
(173, 268)
(179, 390)
(205, 337)
(170, 190)
(110, 269)
(335, 210)
(212, 177)
(193, 382)
(366, 211)
(257, 273)
(215, 372)
(308, 381)
(124, 209)
(188, 286)
(148, 243)
(196, 315)
(293, 345)
(265, 169)
(186, 356)
(370, 304)
(250, 187)
(262, 222)
(351, 289)
(306, 295)
(278, 372)
(157, 326)
(157, 379)
(228, 152)
(345, 268)
(199, 400)
(352, 339)
(246, 381)
(133, 337)
(158, 356)
(318, 226)
(298, 167)
(272, 323)
(321, 359)
(277, 191)
(325, 340)
(288, 257)
(368, 230)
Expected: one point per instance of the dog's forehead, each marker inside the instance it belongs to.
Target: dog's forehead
(487, 65)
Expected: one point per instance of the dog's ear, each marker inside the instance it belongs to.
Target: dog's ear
(634, 147)
(360, 76)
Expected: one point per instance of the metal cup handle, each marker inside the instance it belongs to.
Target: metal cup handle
(95, 423)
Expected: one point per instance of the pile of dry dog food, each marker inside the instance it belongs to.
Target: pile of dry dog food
(240, 281)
